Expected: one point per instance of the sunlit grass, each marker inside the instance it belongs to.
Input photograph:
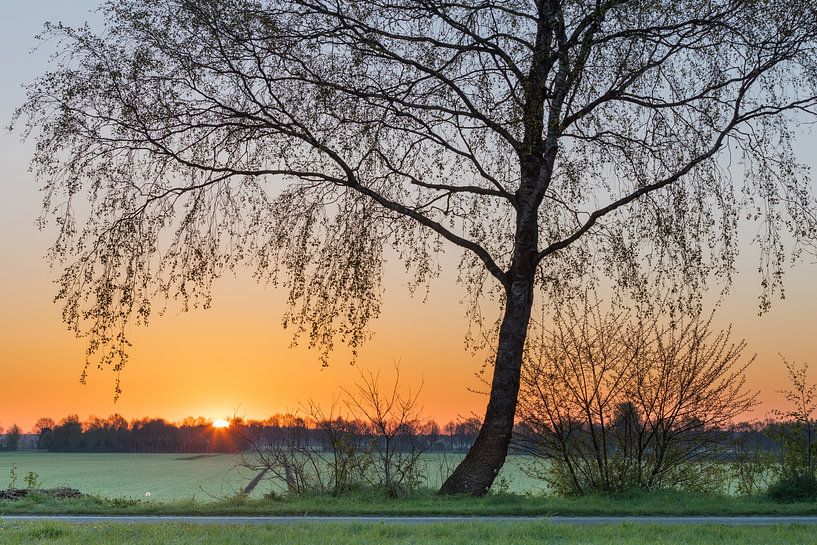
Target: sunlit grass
(394, 534)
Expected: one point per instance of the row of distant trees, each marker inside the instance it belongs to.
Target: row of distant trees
(11, 438)
(197, 435)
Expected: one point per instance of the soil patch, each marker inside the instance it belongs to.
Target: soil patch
(20, 493)
(196, 457)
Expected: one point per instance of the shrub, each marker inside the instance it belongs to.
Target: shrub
(793, 487)
(12, 477)
(611, 401)
(32, 480)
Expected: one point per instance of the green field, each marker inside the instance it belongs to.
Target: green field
(207, 485)
(164, 477)
(400, 534)
(169, 477)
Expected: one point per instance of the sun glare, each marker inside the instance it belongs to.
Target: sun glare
(221, 423)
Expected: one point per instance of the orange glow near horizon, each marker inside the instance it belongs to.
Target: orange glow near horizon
(221, 423)
(236, 359)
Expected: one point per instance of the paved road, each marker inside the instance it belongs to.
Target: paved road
(151, 519)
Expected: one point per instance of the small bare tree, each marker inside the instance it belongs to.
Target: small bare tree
(317, 454)
(394, 421)
(288, 456)
(797, 433)
(615, 401)
(796, 436)
(377, 443)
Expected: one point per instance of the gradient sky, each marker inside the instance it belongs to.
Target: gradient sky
(235, 358)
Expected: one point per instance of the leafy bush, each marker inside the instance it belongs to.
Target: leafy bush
(793, 487)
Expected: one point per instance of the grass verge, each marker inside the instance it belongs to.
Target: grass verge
(421, 503)
(394, 534)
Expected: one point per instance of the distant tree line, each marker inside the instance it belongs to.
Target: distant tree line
(10, 439)
(198, 435)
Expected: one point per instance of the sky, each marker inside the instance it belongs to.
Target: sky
(234, 358)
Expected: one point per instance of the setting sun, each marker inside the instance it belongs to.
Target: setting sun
(221, 423)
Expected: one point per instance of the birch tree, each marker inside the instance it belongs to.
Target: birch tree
(551, 142)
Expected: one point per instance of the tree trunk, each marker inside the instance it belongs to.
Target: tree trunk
(479, 468)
